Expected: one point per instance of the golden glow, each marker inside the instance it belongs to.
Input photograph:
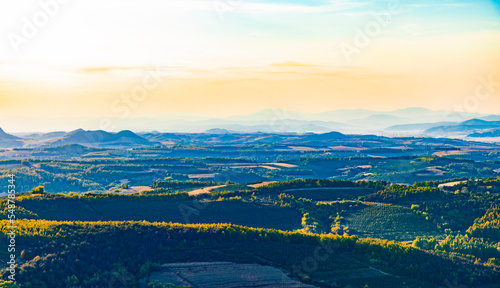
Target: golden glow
(91, 55)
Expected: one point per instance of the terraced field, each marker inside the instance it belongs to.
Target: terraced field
(224, 275)
(388, 222)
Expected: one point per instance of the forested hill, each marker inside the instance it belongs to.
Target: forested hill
(293, 228)
(85, 254)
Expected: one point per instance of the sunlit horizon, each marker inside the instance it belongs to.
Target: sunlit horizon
(205, 59)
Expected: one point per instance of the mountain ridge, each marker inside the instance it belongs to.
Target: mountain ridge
(98, 138)
(6, 136)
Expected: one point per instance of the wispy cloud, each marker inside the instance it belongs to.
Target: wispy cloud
(103, 69)
(274, 6)
(435, 4)
(327, 6)
(293, 64)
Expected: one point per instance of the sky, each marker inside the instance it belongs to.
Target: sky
(71, 60)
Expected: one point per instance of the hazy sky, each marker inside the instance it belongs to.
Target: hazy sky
(149, 58)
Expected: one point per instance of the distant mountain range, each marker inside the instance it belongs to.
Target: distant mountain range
(5, 136)
(399, 123)
(403, 122)
(466, 128)
(487, 134)
(99, 138)
(267, 121)
(127, 139)
(345, 121)
(9, 141)
(416, 128)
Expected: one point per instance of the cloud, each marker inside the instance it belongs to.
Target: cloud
(294, 64)
(104, 69)
(329, 6)
(243, 6)
(427, 5)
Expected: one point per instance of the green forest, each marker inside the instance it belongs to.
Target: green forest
(417, 233)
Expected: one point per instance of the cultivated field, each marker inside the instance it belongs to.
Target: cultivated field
(224, 275)
(388, 222)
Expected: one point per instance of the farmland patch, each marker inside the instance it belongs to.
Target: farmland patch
(224, 275)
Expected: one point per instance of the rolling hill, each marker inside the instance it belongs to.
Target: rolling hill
(492, 133)
(9, 141)
(5, 136)
(465, 128)
(99, 138)
(417, 128)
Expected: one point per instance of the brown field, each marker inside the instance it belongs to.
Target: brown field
(224, 275)
(375, 156)
(135, 189)
(303, 148)
(205, 190)
(201, 176)
(270, 167)
(454, 152)
(435, 170)
(364, 166)
(346, 148)
(286, 165)
(450, 184)
(261, 184)
(243, 166)
(399, 148)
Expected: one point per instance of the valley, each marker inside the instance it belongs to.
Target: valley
(256, 210)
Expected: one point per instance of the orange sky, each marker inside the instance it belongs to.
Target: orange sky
(91, 56)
